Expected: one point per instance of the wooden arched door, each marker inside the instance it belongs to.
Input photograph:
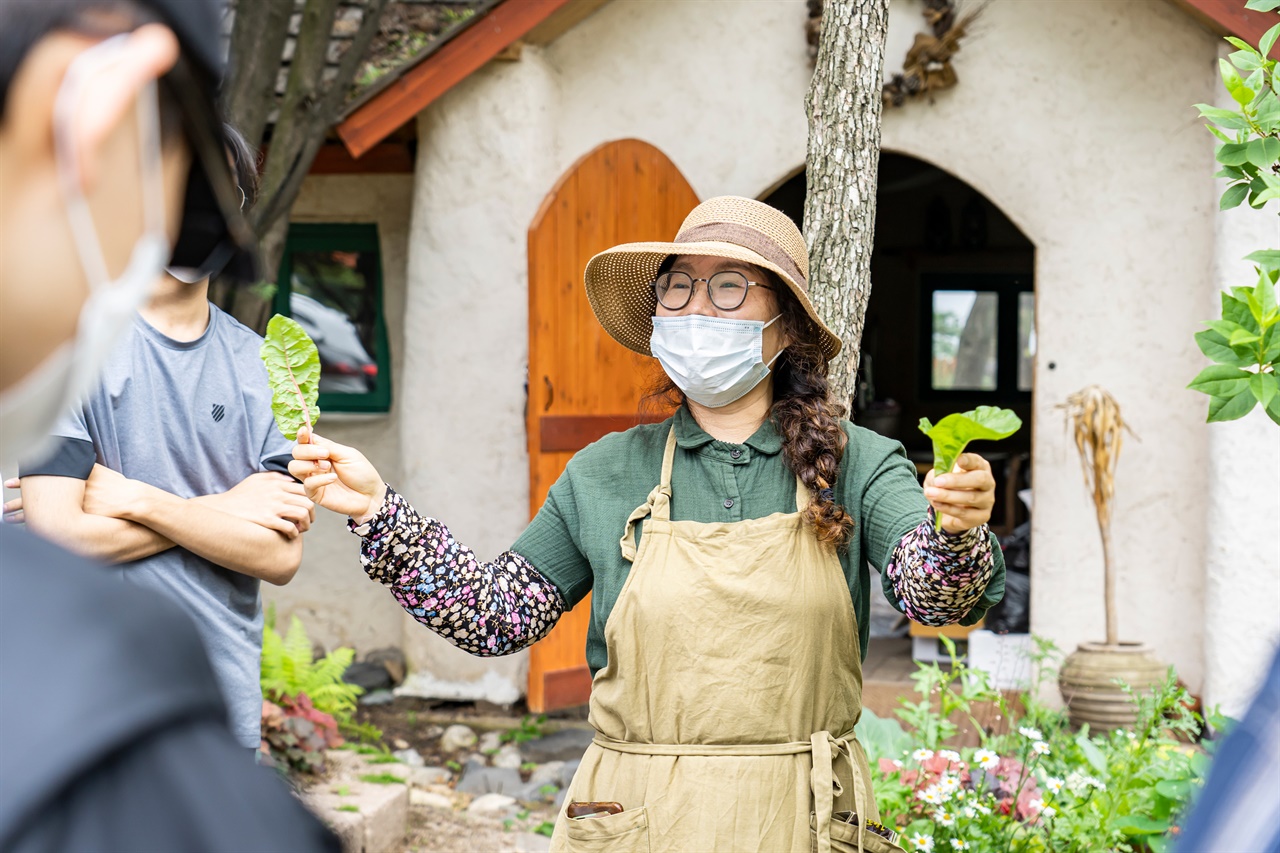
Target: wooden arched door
(582, 384)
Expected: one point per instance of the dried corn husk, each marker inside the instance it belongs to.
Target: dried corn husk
(1098, 427)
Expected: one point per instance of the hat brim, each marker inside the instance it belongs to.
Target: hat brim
(619, 284)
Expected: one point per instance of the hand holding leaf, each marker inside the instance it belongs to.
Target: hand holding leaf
(293, 368)
(954, 432)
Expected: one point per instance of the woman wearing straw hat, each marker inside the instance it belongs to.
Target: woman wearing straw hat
(726, 549)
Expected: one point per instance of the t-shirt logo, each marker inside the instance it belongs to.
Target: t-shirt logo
(218, 412)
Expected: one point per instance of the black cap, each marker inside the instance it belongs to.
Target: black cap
(213, 223)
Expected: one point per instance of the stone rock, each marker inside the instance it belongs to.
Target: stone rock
(370, 676)
(547, 774)
(378, 697)
(491, 805)
(431, 732)
(423, 777)
(411, 757)
(400, 743)
(564, 745)
(392, 660)
(457, 738)
(509, 756)
(532, 842)
(478, 779)
(400, 771)
(475, 758)
(490, 742)
(430, 800)
(567, 771)
(536, 794)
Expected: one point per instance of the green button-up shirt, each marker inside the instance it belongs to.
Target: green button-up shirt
(573, 540)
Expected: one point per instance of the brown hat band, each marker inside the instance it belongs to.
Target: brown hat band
(748, 238)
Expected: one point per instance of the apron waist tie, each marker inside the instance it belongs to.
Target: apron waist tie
(825, 747)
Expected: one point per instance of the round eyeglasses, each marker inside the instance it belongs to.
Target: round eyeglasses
(727, 289)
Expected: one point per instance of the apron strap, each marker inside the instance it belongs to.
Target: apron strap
(826, 786)
(658, 505)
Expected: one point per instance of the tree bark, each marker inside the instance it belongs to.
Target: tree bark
(309, 107)
(844, 105)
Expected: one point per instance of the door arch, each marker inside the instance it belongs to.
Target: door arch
(582, 384)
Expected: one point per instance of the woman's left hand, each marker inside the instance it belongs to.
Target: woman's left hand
(963, 498)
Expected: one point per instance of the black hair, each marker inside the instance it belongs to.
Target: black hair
(23, 23)
(244, 163)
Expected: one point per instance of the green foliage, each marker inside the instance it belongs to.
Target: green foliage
(385, 759)
(1039, 786)
(348, 807)
(530, 729)
(547, 827)
(289, 669)
(954, 432)
(293, 369)
(381, 779)
(1245, 342)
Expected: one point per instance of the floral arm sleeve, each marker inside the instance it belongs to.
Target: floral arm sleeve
(487, 609)
(938, 577)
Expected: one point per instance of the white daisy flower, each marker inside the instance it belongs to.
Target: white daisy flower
(1036, 805)
(986, 759)
(1077, 783)
(1030, 733)
(930, 795)
(949, 784)
(1094, 783)
(950, 755)
(944, 817)
(1048, 812)
(1041, 747)
(957, 844)
(970, 812)
(922, 754)
(922, 842)
(1054, 785)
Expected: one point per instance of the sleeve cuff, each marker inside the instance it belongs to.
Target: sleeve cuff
(363, 529)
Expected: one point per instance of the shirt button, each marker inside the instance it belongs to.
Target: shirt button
(728, 503)
(735, 453)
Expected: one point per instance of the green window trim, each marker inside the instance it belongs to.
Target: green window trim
(342, 237)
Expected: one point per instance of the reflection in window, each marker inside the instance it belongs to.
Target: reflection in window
(1026, 340)
(964, 340)
(334, 297)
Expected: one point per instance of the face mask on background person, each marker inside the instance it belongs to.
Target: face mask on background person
(713, 360)
(30, 408)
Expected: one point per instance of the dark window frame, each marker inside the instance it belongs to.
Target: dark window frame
(1007, 287)
(343, 237)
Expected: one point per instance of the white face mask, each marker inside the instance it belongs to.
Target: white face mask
(713, 360)
(30, 408)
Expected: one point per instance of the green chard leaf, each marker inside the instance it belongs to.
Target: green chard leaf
(293, 367)
(953, 433)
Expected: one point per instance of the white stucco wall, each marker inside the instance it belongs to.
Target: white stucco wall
(1073, 117)
(330, 593)
(1242, 556)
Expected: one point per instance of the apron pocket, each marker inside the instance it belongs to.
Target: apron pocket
(624, 832)
(844, 839)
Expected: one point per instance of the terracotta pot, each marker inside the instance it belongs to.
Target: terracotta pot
(1090, 693)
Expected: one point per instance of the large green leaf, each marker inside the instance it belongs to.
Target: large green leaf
(1221, 380)
(1231, 408)
(1268, 40)
(1265, 258)
(293, 367)
(882, 737)
(1233, 154)
(1134, 824)
(1264, 386)
(1092, 754)
(1235, 307)
(954, 432)
(1215, 346)
(1263, 152)
(1263, 5)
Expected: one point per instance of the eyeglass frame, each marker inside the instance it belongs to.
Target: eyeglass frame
(693, 289)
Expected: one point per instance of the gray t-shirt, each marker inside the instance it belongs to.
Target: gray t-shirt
(192, 418)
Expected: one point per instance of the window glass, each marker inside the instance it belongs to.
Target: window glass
(1026, 341)
(333, 296)
(964, 340)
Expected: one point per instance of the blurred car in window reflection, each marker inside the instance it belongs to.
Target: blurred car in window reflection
(345, 365)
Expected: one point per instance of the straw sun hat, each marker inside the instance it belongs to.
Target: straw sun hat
(620, 280)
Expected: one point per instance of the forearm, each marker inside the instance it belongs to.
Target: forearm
(109, 540)
(487, 609)
(938, 578)
(225, 540)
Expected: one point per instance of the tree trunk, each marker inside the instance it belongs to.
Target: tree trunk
(844, 106)
(309, 107)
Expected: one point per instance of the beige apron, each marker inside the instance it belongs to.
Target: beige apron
(724, 717)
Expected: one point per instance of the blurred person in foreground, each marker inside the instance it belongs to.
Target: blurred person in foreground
(113, 735)
(172, 470)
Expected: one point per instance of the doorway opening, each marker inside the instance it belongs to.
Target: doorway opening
(950, 325)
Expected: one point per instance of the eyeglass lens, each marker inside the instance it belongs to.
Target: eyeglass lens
(728, 290)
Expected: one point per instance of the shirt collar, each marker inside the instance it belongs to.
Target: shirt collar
(691, 436)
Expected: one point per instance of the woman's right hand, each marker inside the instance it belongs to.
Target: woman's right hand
(337, 477)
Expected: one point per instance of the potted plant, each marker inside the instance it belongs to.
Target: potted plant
(1088, 676)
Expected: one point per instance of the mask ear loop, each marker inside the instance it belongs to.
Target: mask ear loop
(769, 363)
